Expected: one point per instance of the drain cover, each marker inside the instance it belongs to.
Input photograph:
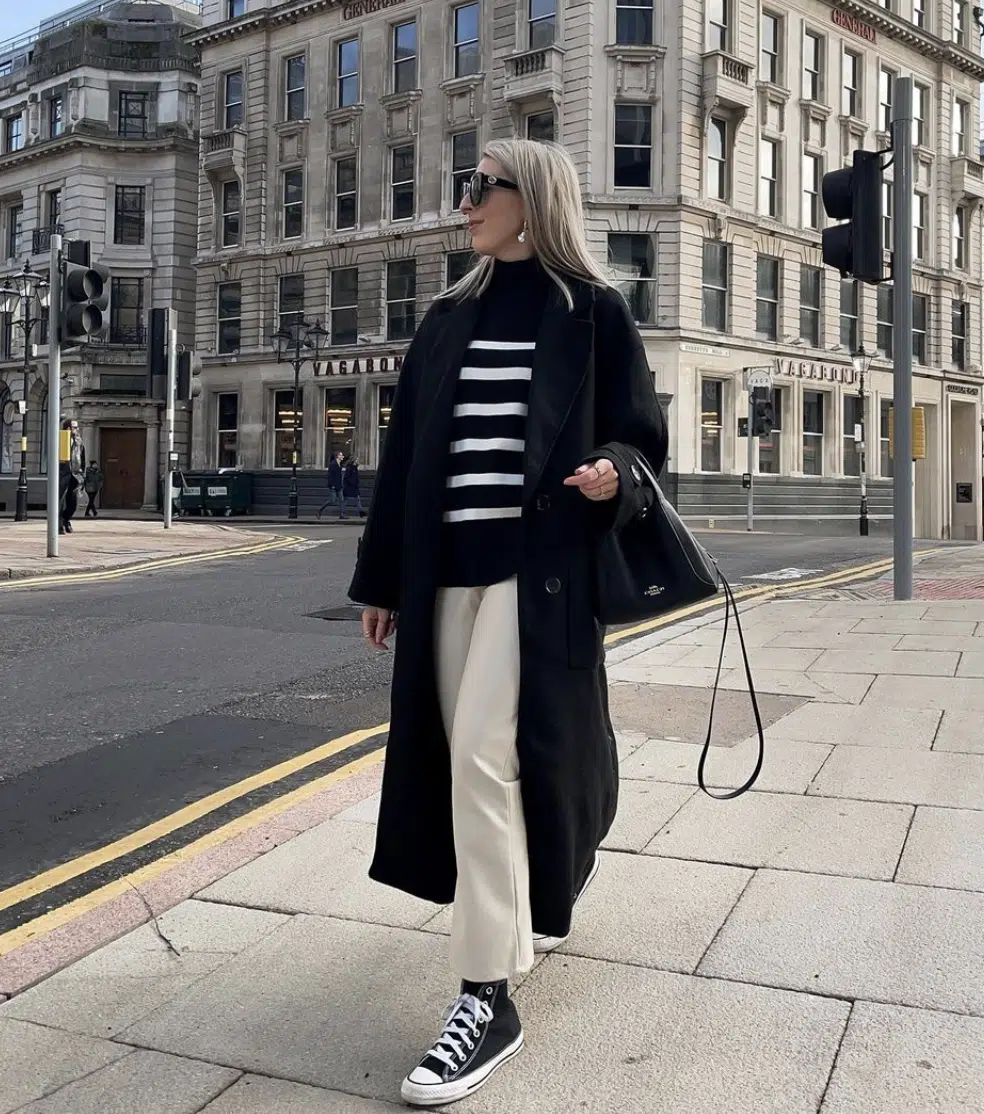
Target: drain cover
(347, 613)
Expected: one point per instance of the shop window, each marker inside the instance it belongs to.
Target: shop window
(226, 430)
(853, 416)
(711, 424)
(339, 421)
(770, 446)
(384, 412)
(288, 420)
(885, 454)
(813, 426)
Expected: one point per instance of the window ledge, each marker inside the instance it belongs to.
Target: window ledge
(775, 92)
(286, 127)
(635, 50)
(460, 84)
(399, 100)
(349, 112)
(817, 109)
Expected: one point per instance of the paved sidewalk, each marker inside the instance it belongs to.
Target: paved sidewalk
(816, 945)
(97, 544)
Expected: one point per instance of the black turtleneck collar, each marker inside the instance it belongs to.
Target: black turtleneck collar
(522, 273)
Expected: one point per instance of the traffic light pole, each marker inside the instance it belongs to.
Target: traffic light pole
(172, 383)
(751, 459)
(54, 390)
(902, 279)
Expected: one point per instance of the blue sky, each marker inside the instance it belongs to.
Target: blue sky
(18, 18)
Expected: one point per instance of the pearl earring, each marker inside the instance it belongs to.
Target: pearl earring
(522, 235)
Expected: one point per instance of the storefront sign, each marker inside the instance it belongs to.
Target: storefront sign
(855, 26)
(704, 350)
(367, 7)
(808, 369)
(959, 389)
(367, 365)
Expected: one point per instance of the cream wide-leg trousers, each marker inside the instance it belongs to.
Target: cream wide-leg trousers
(477, 651)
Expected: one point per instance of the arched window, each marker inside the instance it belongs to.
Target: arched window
(6, 431)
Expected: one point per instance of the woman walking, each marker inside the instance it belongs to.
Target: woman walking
(521, 398)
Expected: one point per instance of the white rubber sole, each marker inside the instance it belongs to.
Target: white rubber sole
(437, 1094)
(543, 944)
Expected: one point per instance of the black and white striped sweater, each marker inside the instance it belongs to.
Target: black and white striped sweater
(482, 505)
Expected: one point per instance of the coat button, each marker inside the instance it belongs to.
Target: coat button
(553, 586)
(543, 502)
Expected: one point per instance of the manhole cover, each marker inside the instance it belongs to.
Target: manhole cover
(347, 613)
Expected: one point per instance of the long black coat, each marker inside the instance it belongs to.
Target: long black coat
(591, 395)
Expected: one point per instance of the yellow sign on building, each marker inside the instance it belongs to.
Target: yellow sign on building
(918, 432)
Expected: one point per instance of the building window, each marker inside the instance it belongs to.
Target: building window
(770, 446)
(290, 301)
(812, 67)
(56, 117)
(961, 112)
(466, 50)
(717, 24)
(812, 175)
(853, 421)
(920, 111)
(229, 316)
(15, 229)
(959, 312)
(401, 299)
(344, 306)
(457, 264)
(813, 407)
(540, 126)
(128, 223)
(920, 205)
(126, 317)
(886, 94)
(293, 203)
(885, 439)
(714, 286)
(384, 409)
(288, 427)
(632, 259)
(633, 146)
(226, 430)
(770, 59)
(919, 12)
(339, 421)
(231, 205)
(346, 193)
(634, 22)
(851, 98)
(711, 424)
(811, 285)
(233, 99)
(403, 182)
(542, 18)
(13, 133)
(920, 327)
(53, 208)
(464, 159)
(849, 314)
(235, 8)
(6, 433)
(6, 344)
(348, 73)
(133, 119)
(767, 297)
(960, 238)
(294, 88)
(717, 159)
(885, 320)
(888, 212)
(405, 57)
(959, 22)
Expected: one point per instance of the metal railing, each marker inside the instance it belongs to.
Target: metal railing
(41, 238)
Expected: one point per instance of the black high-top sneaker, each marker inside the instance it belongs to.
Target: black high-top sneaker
(548, 943)
(481, 1032)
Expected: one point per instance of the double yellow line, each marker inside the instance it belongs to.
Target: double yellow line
(57, 876)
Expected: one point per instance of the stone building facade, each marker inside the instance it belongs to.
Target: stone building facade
(99, 135)
(335, 134)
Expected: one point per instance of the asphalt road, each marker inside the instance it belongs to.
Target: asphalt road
(126, 700)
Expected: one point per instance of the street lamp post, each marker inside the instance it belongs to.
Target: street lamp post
(291, 341)
(862, 362)
(19, 292)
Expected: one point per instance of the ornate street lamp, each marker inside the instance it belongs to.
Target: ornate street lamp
(24, 297)
(862, 362)
(298, 343)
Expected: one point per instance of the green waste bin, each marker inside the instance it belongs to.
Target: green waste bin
(227, 493)
(188, 494)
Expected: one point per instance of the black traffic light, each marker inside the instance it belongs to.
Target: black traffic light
(156, 353)
(189, 369)
(85, 303)
(854, 195)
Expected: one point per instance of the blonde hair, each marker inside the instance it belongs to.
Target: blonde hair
(548, 184)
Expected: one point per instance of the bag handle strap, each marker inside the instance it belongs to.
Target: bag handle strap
(729, 606)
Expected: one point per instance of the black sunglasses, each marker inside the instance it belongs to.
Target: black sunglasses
(476, 188)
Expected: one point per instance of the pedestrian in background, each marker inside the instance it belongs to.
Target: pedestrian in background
(521, 400)
(92, 483)
(335, 479)
(350, 487)
(71, 476)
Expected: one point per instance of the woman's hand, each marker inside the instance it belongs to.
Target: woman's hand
(598, 481)
(377, 625)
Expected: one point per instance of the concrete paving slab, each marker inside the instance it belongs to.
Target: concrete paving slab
(858, 610)
(958, 694)
(912, 663)
(971, 665)
(923, 778)
(859, 725)
(852, 838)
(962, 732)
(653, 912)
(254, 1094)
(332, 1003)
(129, 978)
(761, 657)
(322, 871)
(917, 1061)
(37, 1060)
(643, 808)
(656, 658)
(944, 849)
(365, 812)
(711, 635)
(144, 1082)
(822, 640)
(854, 938)
(628, 742)
(953, 628)
(662, 1043)
(947, 610)
(660, 637)
(959, 645)
(833, 688)
(789, 767)
(637, 671)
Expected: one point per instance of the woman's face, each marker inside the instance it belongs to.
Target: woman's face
(495, 224)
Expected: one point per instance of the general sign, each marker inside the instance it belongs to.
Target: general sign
(809, 369)
(367, 7)
(367, 365)
(852, 24)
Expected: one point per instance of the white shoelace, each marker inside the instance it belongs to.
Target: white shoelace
(461, 1020)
